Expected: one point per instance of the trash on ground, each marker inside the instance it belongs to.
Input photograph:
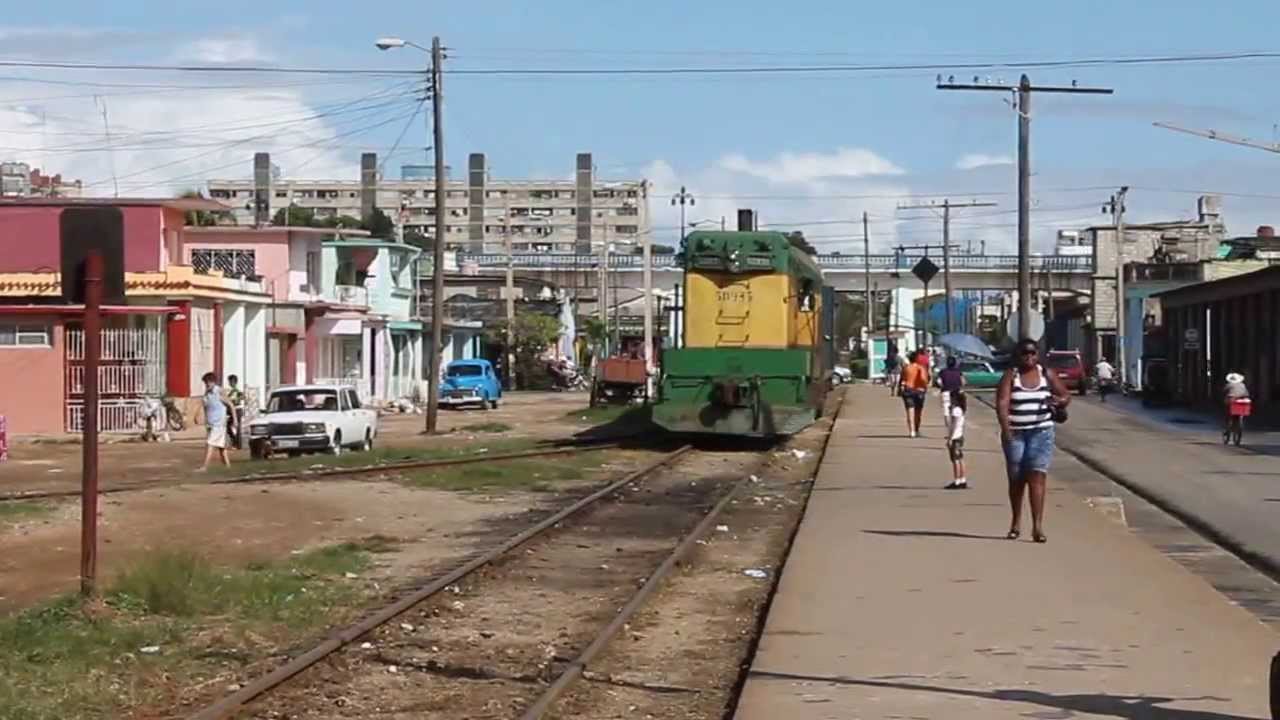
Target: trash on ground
(149, 649)
(755, 573)
(799, 454)
(722, 528)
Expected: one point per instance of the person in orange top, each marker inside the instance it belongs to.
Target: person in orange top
(915, 386)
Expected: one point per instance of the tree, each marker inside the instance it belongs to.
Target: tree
(294, 216)
(531, 335)
(378, 224)
(418, 239)
(596, 331)
(201, 218)
(345, 222)
(797, 241)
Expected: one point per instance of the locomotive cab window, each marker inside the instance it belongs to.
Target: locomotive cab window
(806, 296)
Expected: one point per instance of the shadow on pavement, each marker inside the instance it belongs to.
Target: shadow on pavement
(932, 534)
(1133, 707)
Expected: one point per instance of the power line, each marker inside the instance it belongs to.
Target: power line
(54, 65)
(1227, 56)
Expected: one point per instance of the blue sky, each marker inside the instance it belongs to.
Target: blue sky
(795, 147)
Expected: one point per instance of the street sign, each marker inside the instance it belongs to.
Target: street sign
(1191, 339)
(925, 270)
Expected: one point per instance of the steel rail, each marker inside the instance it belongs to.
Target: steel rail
(230, 705)
(578, 667)
(326, 472)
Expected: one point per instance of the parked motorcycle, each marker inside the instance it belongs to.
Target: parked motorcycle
(158, 417)
(565, 376)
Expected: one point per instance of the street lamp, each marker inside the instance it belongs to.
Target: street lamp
(435, 82)
(682, 198)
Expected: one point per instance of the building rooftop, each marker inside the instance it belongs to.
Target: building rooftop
(184, 204)
(300, 229)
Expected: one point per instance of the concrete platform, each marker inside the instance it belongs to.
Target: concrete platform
(901, 600)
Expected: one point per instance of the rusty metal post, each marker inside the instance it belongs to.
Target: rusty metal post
(89, 472)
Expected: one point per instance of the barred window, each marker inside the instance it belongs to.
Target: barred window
(236, 263)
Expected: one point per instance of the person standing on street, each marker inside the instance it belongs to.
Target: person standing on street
(217, 411)
(915, 385)
(1105, 374)
(235, 399)
(1026, 404)
(892, 361)
(950, 380)
(957, 407)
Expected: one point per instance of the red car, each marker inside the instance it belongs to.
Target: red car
(1069, 366)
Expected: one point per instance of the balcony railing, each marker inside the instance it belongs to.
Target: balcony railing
(351, 295)
(893, 262)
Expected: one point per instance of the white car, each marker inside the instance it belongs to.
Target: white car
(841, 375)
(312, 418)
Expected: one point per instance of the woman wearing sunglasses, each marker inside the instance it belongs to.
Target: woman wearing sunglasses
(1027, 402)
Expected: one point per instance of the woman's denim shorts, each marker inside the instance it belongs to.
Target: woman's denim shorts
(1029, 451)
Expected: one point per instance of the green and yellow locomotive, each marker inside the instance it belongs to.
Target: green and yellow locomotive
(751, 362)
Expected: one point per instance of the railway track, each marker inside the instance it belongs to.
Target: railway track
(560, 448)
(492, 637)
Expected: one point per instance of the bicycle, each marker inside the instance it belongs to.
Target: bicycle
(1237, 411)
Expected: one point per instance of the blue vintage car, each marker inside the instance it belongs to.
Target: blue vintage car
(470, 382)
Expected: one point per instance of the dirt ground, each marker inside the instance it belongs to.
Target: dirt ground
(46, 466)
(238, 524)
(488, 648)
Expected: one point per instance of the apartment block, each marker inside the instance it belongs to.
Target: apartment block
(576, 214)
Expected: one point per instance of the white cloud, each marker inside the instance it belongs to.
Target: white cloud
(808, 191)
(163, 143)
(225, 49)
(973, 161)
(790, 167)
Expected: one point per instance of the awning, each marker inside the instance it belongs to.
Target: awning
(79, 310)
(404, 326)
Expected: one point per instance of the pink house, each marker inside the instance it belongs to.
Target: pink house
(177, 322)
(289, 261)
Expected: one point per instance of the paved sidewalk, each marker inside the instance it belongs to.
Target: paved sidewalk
(901, 600)
(1233, 493)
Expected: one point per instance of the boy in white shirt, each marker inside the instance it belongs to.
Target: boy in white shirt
(955, 440)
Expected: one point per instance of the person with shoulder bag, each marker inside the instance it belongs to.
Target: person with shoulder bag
(1029, 403)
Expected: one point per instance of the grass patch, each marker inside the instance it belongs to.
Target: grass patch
(69, 660)
(486, 427)
(530, 475)
(14, 510)
(378, 455)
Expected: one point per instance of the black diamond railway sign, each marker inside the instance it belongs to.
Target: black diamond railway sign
(925, 270)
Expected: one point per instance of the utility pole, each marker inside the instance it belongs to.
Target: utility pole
(604, 284)
(647, 259)
(1115, 206)
(89, 452)
(437, 269)
(1022, 105)
(947, 205)
(511, 297)
(866, 275)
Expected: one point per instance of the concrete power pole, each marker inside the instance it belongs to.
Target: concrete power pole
(437, 269)
(947, 206)
(1022, 106)
(510, 359)
(866, 276)
(1116, 207)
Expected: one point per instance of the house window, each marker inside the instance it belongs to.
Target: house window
(628, 210)
(14, 335)
(220, 194)
(232, 263)
(626, 229)
(398, 277)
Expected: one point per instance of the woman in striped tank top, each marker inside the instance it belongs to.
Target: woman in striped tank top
(1024, 404)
